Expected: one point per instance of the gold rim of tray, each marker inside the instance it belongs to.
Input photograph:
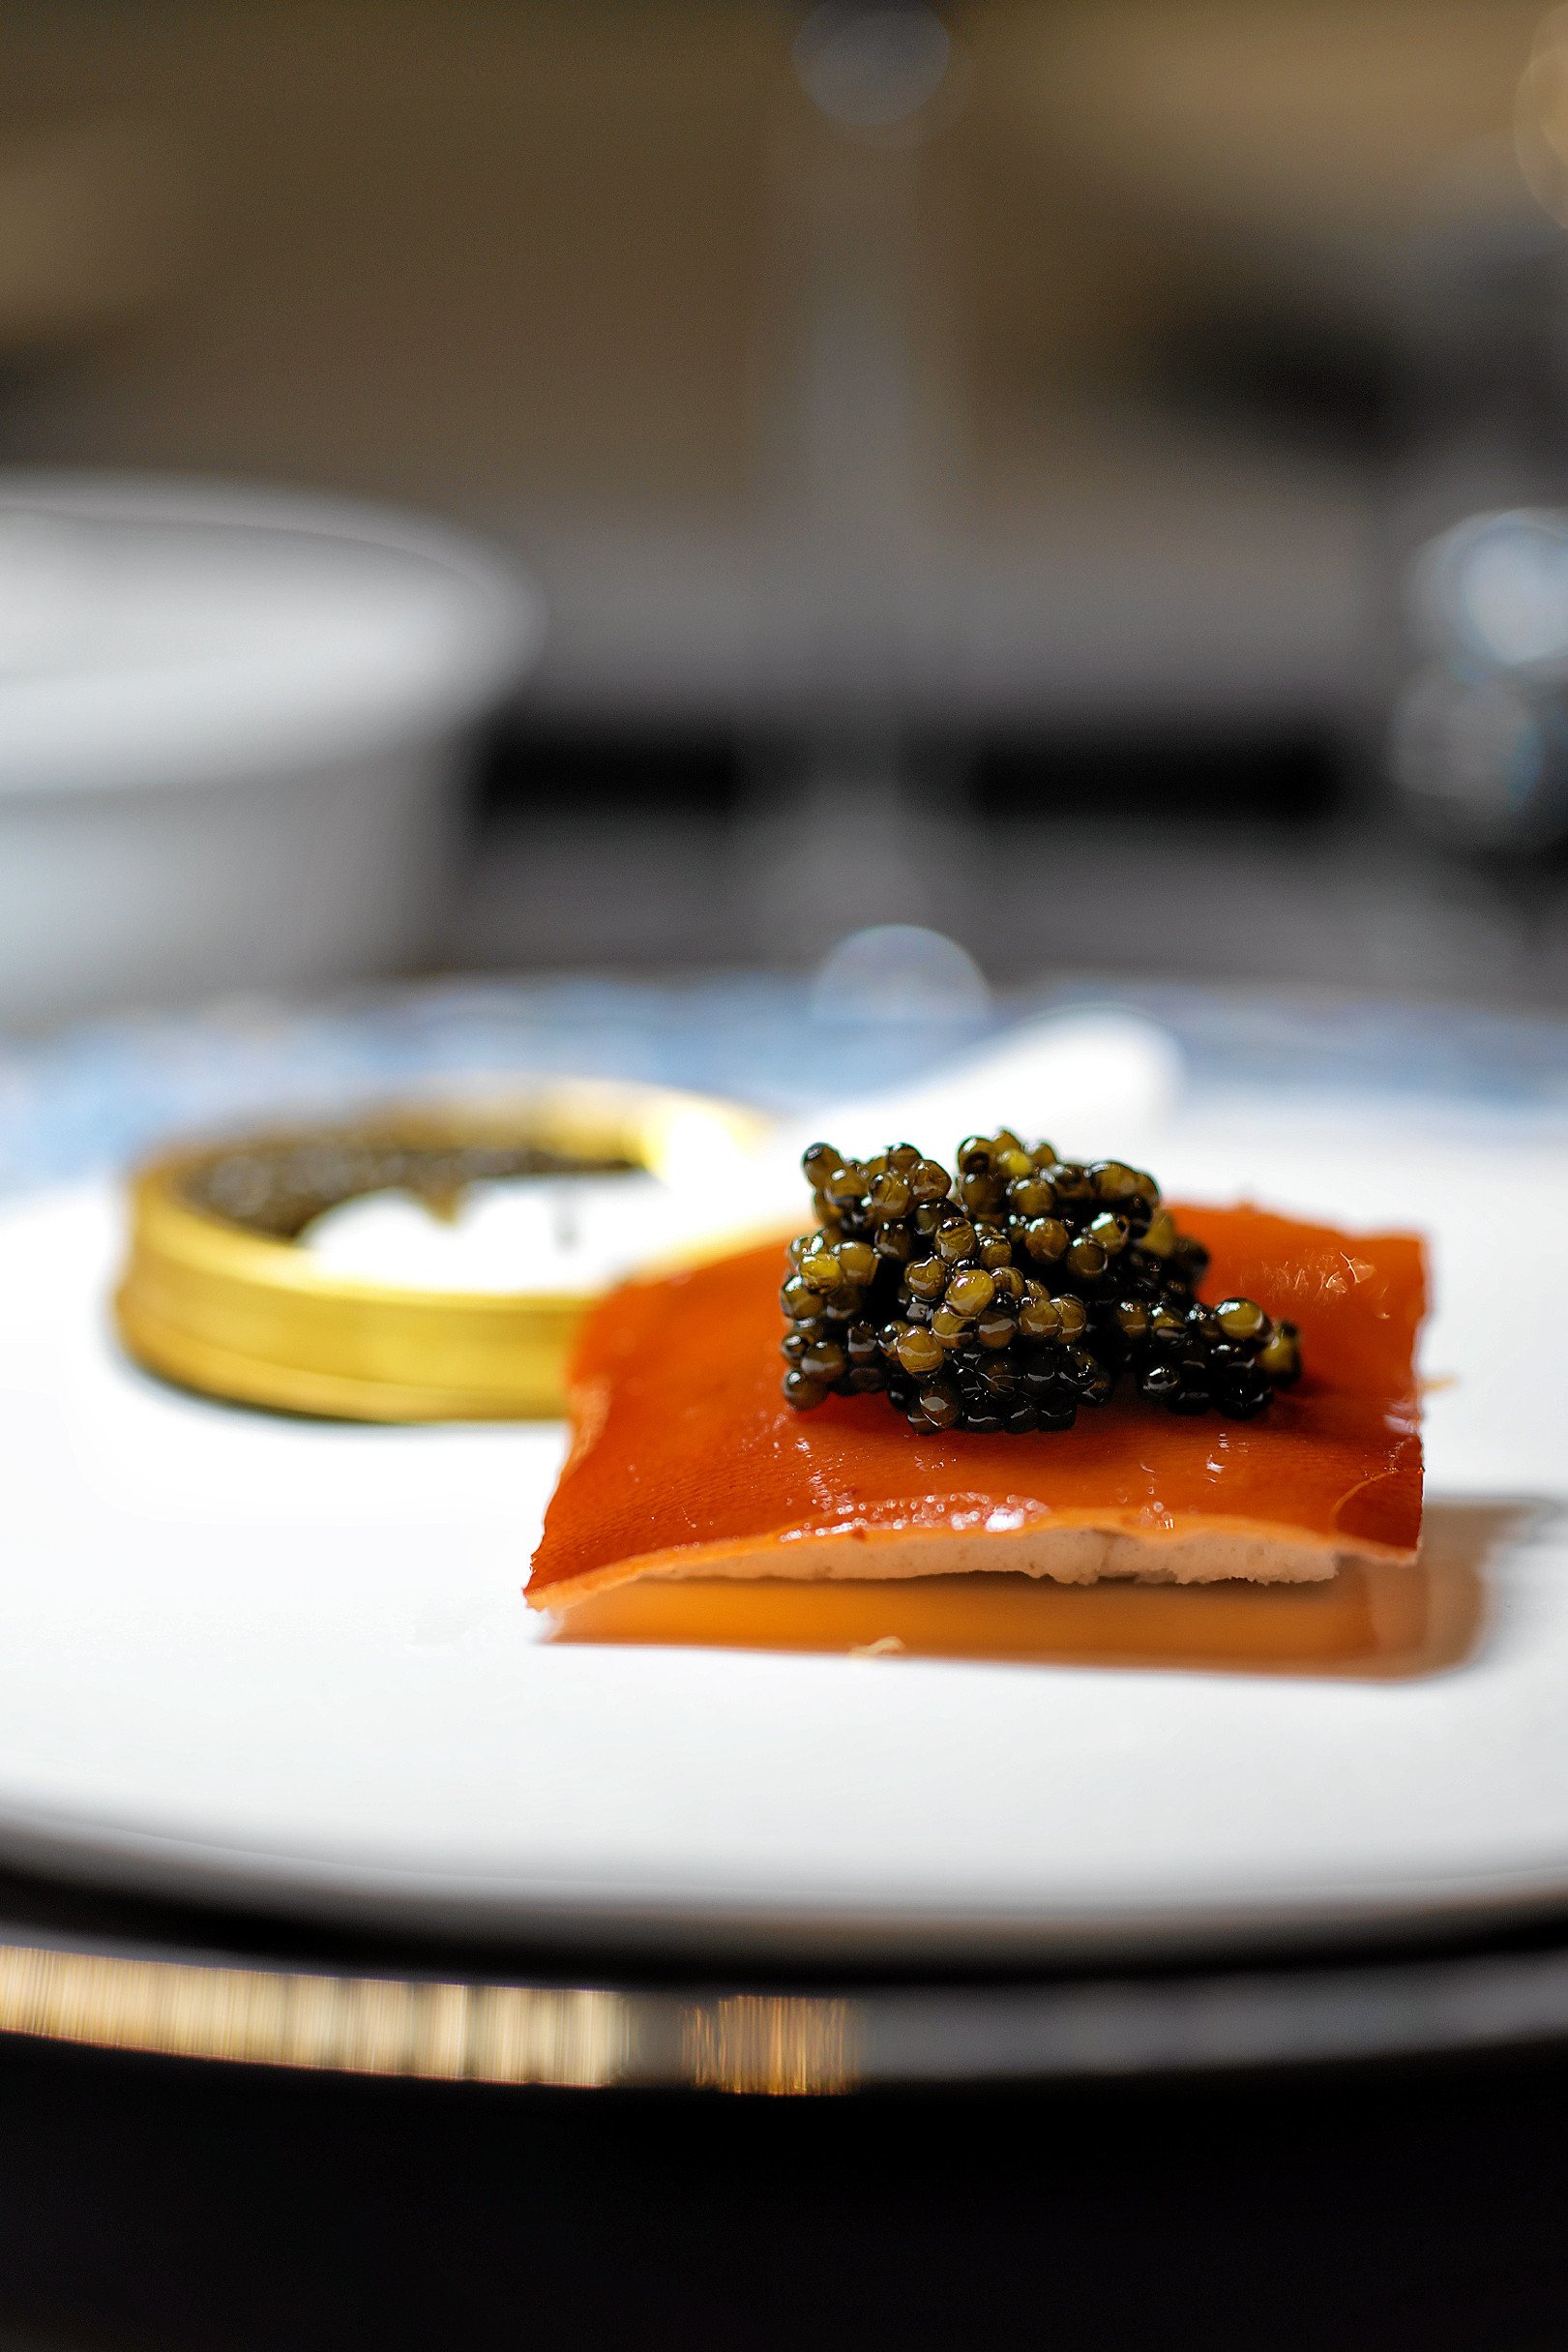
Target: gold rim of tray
(585, 2037)
(255, 1321)
(1226, 2015)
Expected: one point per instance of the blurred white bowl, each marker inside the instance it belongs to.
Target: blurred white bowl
(231, 723)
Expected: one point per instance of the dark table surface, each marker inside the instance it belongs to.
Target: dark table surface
(1421, 2201)
(149, 2202)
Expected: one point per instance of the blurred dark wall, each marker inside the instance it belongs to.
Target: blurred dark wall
(1096, 405)
(1150, 273)
(441, 251)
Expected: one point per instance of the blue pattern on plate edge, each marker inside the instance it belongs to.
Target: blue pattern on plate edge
(93, 1096)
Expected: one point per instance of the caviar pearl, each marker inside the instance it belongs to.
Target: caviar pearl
(970, 1290)
(1047, 1238)
(919, 1352)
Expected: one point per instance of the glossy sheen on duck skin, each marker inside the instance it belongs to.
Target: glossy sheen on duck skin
(686, 1460)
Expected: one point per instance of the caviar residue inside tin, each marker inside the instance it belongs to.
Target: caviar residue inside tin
(1006, 1296)
(278, 1188)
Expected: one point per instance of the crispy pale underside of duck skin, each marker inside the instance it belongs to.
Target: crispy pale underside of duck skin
(685, 1461)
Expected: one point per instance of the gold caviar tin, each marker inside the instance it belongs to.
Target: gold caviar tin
(218, 1297)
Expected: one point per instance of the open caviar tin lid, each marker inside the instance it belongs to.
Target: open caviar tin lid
(243, 1281)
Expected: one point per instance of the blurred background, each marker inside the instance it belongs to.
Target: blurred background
(1082, 479)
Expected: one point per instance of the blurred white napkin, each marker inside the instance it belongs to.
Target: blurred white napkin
(1096, 1084)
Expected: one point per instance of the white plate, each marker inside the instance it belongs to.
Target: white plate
(288, 1663)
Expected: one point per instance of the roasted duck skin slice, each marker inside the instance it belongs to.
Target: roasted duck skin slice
(686, 1460)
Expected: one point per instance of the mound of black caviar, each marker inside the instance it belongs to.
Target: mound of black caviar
(1009, 1296)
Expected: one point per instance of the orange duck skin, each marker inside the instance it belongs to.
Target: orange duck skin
(686, 1460)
